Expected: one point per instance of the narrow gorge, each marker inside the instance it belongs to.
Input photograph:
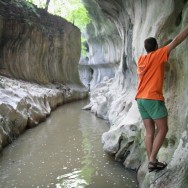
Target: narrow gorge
(41, 68)
(39, 55)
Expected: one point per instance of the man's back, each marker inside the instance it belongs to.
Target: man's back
(150, 71)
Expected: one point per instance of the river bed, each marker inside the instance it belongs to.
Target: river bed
(65, 151)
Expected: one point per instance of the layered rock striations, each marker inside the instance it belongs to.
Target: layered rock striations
(113, 99)
(39, 56)
(37, 46)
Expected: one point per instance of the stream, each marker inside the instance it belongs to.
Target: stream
(65, 151)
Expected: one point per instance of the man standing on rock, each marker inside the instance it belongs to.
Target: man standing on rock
(150, 100)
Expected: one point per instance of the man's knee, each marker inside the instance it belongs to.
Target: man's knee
(163, 129)
(162, 123)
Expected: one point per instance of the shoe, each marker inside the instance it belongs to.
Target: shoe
(156, 166)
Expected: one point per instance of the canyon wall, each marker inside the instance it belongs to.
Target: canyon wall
(36, 46)
(116, 36)
(105, 46)
(39, 56)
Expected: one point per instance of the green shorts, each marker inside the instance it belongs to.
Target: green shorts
(152, 109)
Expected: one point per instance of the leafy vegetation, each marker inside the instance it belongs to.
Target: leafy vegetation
(39, 3)
(72, 10)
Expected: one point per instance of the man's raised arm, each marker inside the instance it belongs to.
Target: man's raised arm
(177, 40)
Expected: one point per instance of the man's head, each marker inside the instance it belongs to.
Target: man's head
(150, 44)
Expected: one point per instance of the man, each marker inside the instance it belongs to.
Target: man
(150, 98)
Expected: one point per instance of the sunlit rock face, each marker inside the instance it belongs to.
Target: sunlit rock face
(36, 46)
(113, 99)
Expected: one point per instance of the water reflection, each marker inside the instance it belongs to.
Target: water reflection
(72, 180)
(79, 178)
(83, 177)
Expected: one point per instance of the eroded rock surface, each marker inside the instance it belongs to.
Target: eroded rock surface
(105, 46)
(113, 99)
(43, 50)
(37, 46)
(24, 105)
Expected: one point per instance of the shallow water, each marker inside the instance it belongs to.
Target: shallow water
(63, 152)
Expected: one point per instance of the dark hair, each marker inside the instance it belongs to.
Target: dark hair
(150, 44)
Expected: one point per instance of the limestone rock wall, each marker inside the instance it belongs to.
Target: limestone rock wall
(36, 46)
(105, 48)
(44, 51)
(114, 99)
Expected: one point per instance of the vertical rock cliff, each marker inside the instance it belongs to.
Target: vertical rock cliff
(36, 46)
(116, 35)
(105, 46)
(39, 56)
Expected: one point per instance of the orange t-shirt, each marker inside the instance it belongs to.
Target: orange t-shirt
(150, 70)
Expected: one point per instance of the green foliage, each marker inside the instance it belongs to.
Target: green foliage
(72, 10)
(39, 3)
(30, 7)
(83, 47)
(77, 14)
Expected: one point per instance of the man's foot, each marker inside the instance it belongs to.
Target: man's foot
(156, 166)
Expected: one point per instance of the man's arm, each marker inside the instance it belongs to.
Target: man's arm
(177, 40)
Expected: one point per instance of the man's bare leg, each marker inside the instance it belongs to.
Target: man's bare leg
(150, 133)
(162, 129)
